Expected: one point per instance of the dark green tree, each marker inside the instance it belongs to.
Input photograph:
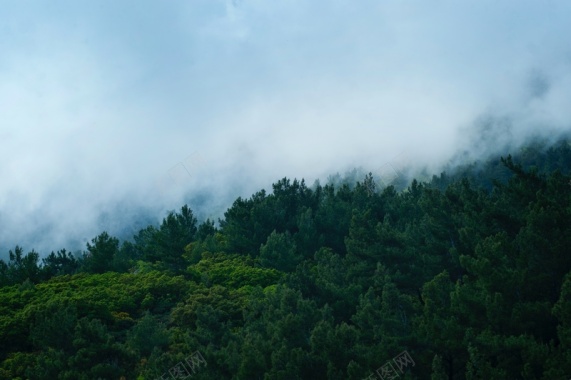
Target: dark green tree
(147, 334)
(100, 254)
(168, 243)
(59, 263)
(279, 252)
(23, 267)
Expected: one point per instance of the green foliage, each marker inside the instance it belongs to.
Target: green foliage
(60, 263)
(232, 271)
(167, 244)
(470, 273)
(147, 334)
(279, 252)
(100, 254)
(22, 267)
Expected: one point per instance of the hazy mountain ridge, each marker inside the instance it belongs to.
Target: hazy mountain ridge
(321, 282)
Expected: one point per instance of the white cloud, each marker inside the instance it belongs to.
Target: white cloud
(100, 101)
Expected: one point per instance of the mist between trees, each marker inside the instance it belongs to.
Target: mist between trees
(468, 273)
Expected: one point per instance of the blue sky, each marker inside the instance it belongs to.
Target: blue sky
(145, 102)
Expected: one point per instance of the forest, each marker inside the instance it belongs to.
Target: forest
(463, 276)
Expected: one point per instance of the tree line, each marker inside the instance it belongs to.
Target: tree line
(469, 273)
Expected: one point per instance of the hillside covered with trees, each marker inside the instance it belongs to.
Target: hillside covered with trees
(469, 273)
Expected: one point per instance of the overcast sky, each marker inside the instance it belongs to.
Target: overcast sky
(111, 106)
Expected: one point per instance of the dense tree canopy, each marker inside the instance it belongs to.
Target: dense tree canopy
(469, 273)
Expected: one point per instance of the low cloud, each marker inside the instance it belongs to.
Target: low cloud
(114, 113)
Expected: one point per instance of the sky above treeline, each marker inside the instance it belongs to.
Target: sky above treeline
(109, 107)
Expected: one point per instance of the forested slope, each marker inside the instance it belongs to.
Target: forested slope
(470, 274)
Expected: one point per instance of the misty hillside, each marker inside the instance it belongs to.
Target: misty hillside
(461, 275)
(114, 113)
